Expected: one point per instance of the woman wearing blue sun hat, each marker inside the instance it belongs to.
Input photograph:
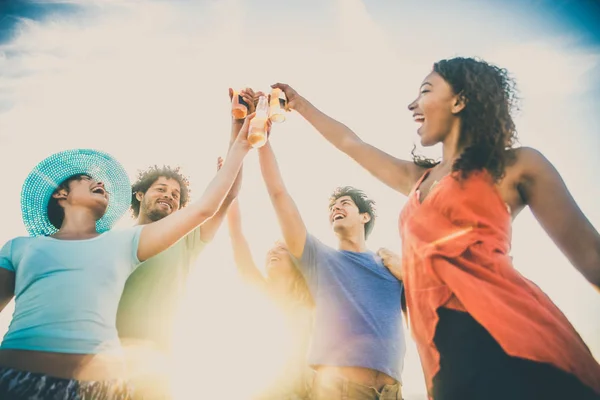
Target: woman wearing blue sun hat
(68, 276)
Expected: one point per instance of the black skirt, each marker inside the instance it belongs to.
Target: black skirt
(473, 366)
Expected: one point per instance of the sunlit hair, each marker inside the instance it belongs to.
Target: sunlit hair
(56, 214)
(487, 126)
(300, 294)
(148, 177)
(364, 204)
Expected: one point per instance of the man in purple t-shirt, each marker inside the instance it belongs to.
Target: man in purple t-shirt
(357, 348)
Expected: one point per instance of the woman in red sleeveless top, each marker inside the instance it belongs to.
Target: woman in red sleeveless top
(483, 331)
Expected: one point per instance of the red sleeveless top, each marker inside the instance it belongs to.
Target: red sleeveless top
(455, 253)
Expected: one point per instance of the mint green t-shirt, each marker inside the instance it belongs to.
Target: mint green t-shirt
(67, 291)
(152, 293)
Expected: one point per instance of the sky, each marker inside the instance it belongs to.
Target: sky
(147, 81)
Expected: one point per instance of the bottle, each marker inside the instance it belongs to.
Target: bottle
(276, 104)
(239, 107)
(257, 133)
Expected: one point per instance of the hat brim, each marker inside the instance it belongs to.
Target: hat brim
(45, 178)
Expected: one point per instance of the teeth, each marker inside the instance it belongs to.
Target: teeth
(166, 204)
(419, 118)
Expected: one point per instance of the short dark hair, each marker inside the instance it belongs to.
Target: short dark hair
(56, 214)
(364, 204)
(148, 177)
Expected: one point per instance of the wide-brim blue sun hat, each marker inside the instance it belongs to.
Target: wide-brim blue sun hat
(50, 173)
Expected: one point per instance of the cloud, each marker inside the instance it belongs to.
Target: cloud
(553, 68)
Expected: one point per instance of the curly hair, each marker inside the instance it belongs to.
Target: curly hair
(364, 204)
(148, 177)
(487, 127)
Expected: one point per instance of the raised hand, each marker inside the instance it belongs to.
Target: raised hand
(249, 96)
(293, 98)
(392, 261)
(242, 137)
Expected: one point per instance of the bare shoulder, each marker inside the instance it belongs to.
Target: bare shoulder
(530, 159)
(525, 166)
(533, 172)
(530, 165)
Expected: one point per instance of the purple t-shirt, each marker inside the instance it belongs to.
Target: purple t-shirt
(358, 319)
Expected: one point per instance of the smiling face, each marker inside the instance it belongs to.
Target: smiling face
(436, 110)
(161, 199)
(344, 216)
(79, 191)
(283, 278)
(279, 263)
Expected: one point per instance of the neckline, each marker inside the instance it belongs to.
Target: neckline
(417, 196)
(417, 190)
(74, 240)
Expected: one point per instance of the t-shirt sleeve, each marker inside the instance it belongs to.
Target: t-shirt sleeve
(193, 244)
(132, 239)
(308, 263)
(6, 257)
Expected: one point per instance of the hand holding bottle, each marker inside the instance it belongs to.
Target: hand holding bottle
(242, 103)
(257, 135)
(294, 100)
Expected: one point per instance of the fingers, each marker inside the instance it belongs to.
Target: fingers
(249, 118)
(383, 252)
(248, 98)
(281, 86)
(219, 163)
(247, 92)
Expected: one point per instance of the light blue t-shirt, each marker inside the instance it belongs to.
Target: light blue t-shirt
(358, 319)
(67, 291)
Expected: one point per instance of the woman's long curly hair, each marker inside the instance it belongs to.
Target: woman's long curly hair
(487, 130)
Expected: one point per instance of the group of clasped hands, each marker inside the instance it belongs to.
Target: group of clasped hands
(268, 108)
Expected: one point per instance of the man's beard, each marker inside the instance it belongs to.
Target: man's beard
(155, 214)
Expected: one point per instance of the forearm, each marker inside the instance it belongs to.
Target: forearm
(162, 234)
(219, 187)
(269, 169)
(211, 226)
(241, 250)
(234, 220)
(288, 216)
(589, 265)
(236, 125)
(334, 131)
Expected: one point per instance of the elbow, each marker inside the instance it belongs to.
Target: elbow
(348, 144)
(231, 196)
(207, 212)
(590, 267)
(277, 194)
